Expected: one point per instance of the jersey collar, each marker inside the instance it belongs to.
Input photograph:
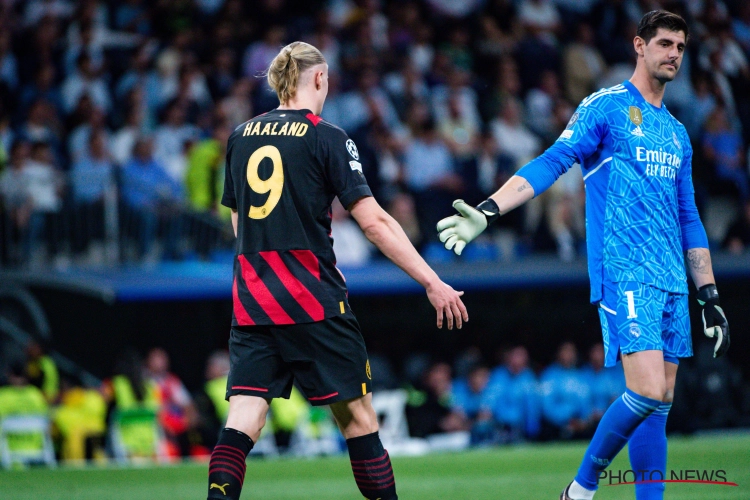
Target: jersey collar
(639, 98)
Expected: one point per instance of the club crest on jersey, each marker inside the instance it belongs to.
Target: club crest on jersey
(352, 148)
(635, 115)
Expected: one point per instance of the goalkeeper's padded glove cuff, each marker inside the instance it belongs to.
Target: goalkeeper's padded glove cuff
(490, 210)
(708, 294)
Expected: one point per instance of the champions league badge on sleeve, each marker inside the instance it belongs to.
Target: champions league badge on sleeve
(352, 148)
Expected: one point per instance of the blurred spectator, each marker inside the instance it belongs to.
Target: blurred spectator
(512, 136)
(470, 396)
(80, 422)
(430, 409)
(513, 396)
(402, 209)
(79, 139)
(8, 66)
(41, 371)
(540, 16)
(737, 239)
(20, 398)
(123, 140)
(204, 177)
(741, 27)
(171, 139)
(149, 192)
(704, 103)
(430, 174)
(237, 107)
(42, 126)
(565, 213)
(43, 88)
(583, 64)
(722, 147)
(93, 177)
(607, 384)
(16, 199)
(565, 396)
(85, 80)
(349, 243)
(540, 103)
(39, 9)
(222, 77)
(177, 413)
(44, 186)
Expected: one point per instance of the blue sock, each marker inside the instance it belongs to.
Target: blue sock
(615, 428)
(648, 451)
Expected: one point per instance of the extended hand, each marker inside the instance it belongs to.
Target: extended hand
(457, 231)
(447, 301)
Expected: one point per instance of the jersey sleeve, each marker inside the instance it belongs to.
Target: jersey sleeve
(343, 170)
(693, 232)
(229, 198)
(586, 128)
(544, 170)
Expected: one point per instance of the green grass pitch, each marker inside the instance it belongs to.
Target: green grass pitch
(535, 472)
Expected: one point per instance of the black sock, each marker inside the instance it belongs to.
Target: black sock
(226, 471)
(372, 467)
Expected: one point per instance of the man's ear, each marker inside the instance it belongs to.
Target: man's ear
(639, 44)
(318, 80)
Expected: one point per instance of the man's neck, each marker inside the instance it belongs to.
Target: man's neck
(301, 101)
(651, 89)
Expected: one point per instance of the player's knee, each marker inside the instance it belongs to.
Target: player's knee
(356, 418)
(654, 391)
(247, 415)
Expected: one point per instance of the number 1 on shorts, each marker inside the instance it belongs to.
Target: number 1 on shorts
(631, 305)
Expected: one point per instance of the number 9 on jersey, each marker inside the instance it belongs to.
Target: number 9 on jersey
(273, 185)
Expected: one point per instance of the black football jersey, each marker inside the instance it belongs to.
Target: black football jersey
(283, 170)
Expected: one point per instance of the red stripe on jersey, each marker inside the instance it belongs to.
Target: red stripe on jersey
(294, 286)
(243, 318)
(313, 118)
(309, 260)
(263, 295)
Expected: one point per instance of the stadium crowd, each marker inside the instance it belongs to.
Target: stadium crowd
(143, 410)
(128, 104)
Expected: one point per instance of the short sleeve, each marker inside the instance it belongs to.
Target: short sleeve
(229, 198)
(342, 166)
(586, 127)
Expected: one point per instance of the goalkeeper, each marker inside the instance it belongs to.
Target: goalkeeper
(640, 218)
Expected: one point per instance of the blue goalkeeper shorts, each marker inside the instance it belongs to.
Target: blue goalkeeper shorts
(637, 317)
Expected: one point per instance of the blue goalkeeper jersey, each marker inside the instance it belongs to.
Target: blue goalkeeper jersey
(640, 202)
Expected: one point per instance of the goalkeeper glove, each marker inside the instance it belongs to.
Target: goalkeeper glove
(715, 324)
(457, 231)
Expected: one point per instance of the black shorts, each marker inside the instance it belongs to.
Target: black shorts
(328, 359)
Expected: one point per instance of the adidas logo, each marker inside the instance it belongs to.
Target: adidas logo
(637, 132)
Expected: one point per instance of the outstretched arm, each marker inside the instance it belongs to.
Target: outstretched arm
(386, 234)
(533, 179)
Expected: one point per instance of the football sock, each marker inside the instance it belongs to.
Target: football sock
(226, 470)
(372, 467)
(578, 492)
(615, 428)
(648, 452)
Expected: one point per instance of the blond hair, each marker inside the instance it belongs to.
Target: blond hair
(285, 70)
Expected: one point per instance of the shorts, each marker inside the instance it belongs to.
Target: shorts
(637, 317)
(328, 360)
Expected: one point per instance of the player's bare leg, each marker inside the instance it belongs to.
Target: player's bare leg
(648, 444)
(370, 462)
(226, 471)
(646, 380)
